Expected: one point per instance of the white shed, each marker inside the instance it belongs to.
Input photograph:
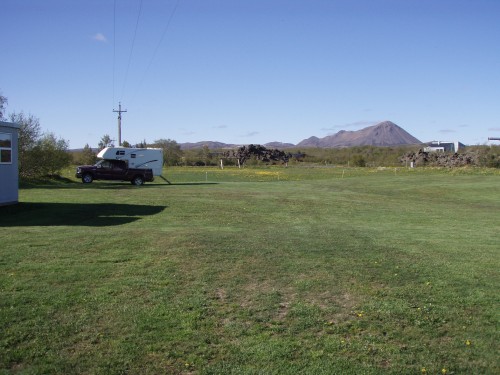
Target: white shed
(9, 166)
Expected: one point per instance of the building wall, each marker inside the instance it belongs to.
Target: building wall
(9, 167)
(441, 146)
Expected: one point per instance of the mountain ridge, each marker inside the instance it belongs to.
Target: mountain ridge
(385, 133)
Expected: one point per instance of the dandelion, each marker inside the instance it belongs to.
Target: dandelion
(467, 342)
(424, 371)
(444, 371)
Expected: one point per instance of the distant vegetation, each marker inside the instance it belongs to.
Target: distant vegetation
(40, 154)
(359, 156)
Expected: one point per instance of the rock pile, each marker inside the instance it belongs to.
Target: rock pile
(440, 159)
(259, 153)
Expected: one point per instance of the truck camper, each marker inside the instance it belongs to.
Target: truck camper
(142, 158)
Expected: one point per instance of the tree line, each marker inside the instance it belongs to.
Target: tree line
(358, 156)
(397, 156)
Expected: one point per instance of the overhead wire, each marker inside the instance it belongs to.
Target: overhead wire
(114, 48)
(165, 30)
(155, 51)
(131, 49)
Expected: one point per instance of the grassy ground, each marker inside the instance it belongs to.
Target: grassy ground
(254, 271)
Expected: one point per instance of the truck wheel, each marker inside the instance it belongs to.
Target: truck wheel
(87, 178)
(137, 181)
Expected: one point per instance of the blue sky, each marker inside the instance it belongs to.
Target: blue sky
(253, 71)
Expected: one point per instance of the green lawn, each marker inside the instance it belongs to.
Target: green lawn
(254, 271)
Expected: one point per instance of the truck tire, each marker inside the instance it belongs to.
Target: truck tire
(87, 178)
(137, 181)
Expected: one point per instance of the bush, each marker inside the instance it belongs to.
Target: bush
(48, 156)
(86, 157)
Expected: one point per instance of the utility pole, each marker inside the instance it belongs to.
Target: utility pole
(119, 122)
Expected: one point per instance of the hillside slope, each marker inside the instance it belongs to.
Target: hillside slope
(383, 134)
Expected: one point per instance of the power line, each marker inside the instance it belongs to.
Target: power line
(114, 48)
(167, 26)
(131, 49)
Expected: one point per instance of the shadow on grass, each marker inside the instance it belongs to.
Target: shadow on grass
(73, 214)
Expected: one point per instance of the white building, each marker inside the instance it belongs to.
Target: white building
(442, 146)
(9, 167)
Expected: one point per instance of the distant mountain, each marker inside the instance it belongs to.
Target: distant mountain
(210, 144)
(383, 134)
(279, 145)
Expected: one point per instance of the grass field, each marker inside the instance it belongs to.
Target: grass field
(254, 271)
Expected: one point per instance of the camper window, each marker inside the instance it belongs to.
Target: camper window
(132, 156)
(120, 152)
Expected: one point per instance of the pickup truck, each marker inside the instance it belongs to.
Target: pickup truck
(113, 170)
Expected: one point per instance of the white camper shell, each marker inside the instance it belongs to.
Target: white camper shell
(136, 157)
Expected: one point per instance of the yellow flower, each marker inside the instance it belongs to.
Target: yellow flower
(443, 370)
(467, 342)
(424, 371)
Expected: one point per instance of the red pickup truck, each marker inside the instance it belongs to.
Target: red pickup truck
(113, 170)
